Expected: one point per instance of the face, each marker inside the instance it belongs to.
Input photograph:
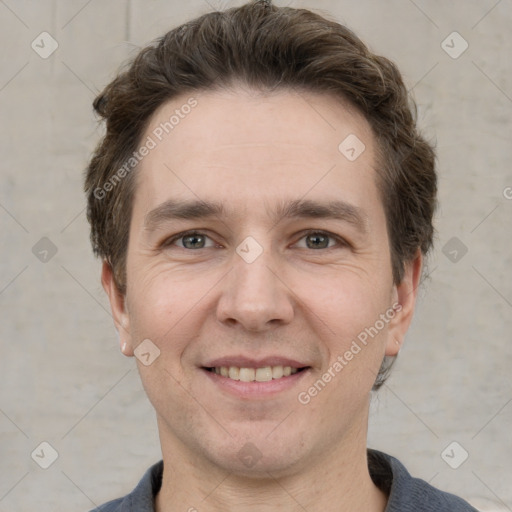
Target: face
(259, 269)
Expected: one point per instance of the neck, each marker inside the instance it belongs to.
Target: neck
(337, 481)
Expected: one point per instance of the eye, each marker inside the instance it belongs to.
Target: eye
(189, 240)
(320, 240)
(195, 240)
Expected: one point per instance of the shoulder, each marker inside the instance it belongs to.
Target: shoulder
(409, 494)
(111, 506)
(142, 498)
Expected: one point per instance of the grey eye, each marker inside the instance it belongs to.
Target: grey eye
(318, 241)
(193, 241)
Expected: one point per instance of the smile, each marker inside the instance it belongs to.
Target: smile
(263, 374)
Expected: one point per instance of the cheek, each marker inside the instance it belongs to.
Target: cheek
(348, 300)
(161, 310)
(157, 304)
(347, 310)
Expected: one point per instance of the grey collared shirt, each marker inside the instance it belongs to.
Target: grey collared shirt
(406, 494)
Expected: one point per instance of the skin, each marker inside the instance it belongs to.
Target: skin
(251, 151)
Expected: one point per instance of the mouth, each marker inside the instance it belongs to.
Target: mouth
(257, 378)
(259, 374)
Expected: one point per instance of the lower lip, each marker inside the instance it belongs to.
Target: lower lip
(255, 389)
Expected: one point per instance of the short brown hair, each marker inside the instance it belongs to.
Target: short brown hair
(267, 48)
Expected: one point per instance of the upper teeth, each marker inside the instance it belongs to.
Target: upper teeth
(263, 374)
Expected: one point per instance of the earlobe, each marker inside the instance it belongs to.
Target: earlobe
(118, 307)
(405, 293)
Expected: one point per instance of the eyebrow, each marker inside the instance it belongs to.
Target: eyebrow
(186, 210)
(173, 209)
(336, 209)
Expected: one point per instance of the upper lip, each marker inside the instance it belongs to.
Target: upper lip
(248, 362)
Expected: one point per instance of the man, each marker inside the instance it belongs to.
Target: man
(263, 203)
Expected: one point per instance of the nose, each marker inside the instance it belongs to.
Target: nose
(255, 294)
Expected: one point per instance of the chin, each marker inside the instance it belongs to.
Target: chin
(279, 465)
(259, 456)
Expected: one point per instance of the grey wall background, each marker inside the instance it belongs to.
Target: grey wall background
(63, 380)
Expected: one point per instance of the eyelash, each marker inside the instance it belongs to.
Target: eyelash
(341, 242)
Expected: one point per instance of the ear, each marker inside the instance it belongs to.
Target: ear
(405, 295)
(118, 307)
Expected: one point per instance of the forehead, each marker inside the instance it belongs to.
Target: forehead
(240, 145)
